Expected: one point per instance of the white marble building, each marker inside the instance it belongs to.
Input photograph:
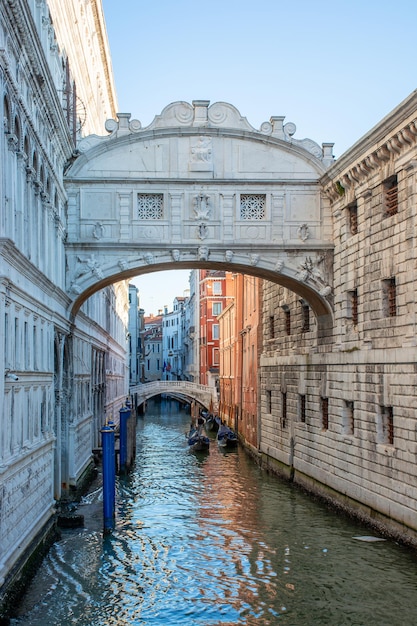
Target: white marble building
(60, 376)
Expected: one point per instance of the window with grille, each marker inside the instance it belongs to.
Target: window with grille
(306, 318)
(302, 407)
(353, 218)
(325, 413)
(252, 207)
(150, 206)
(391, 196)
(284, 410)
(353, 303)
(271, 327)
(389, 290)
(387, 415)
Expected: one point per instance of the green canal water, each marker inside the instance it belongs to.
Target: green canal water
(214, 540)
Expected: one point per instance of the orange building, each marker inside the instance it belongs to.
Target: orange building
(240, 345)
(215, 289)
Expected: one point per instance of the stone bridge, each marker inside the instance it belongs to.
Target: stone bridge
(200, 188)
(205, 395)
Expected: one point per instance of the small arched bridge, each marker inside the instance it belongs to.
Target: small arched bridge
(206, 396)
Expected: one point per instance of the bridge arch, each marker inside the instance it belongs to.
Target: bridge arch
(200, 188)
(204, 395)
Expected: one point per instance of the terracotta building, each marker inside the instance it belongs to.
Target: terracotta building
(240, 347)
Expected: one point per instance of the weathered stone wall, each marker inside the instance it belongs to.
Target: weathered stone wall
(340, 417)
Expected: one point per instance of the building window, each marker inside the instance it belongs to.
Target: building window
(391, 196)
(271, 326)
(284, 410)
(302, 407)
(305, 328)
(287, 314)
(215, 331)
(216, 359)
(387, 419)
(252, 206)
(389, 291)
(217, 288)
(217, 308)
(353, 218)
(353, 306)
(269, 401)
(325, 413)
(150, 206)
(348, 418)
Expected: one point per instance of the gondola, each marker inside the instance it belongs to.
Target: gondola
(226, 437)
(212, 423)
(197, 442)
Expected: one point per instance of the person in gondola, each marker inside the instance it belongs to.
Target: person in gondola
(200, 424)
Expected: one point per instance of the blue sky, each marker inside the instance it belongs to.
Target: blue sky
(333, 68)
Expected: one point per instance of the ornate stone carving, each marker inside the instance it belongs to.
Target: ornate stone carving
(254, 259)
(203, 253)
(176, 254)
(303, 232)
(123, 264)
(98, 230)
(84, 266)
(228, 255)
(148, 258)
(279, 265)
(202, 206)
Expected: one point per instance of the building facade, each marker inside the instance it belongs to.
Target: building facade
(240, 348)
(60, 376)
(153, 350)
(339, 415)
(215, 288)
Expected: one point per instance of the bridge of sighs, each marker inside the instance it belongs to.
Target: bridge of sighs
(200, 188)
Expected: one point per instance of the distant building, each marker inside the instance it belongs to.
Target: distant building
(173, 327)
(152, 343)
(215, 292)
(240, 347)
(135, 336)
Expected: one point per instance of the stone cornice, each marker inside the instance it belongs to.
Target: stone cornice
(396, 133)
(19, 262)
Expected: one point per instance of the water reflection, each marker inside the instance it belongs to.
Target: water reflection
(213, 540)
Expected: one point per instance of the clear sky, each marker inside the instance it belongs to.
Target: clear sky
(334, 68)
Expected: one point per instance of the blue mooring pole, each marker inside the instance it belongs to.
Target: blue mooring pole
(109, 477)
(124, 417)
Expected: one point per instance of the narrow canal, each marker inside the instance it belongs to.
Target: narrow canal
(214, 540)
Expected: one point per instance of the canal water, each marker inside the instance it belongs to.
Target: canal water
(213, 540)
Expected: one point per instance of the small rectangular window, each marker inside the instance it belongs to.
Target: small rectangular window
(302, 407)
(287, 321)
(325, 413)
(268, 401)
(215, 331)
(349, 418)
(305, 328)
(353, 306)
(217, 308)
(284, 410)
(389, 294)
(217, 288)
(271, 327)
(387, 430)
(353, 218)
(391, 196)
